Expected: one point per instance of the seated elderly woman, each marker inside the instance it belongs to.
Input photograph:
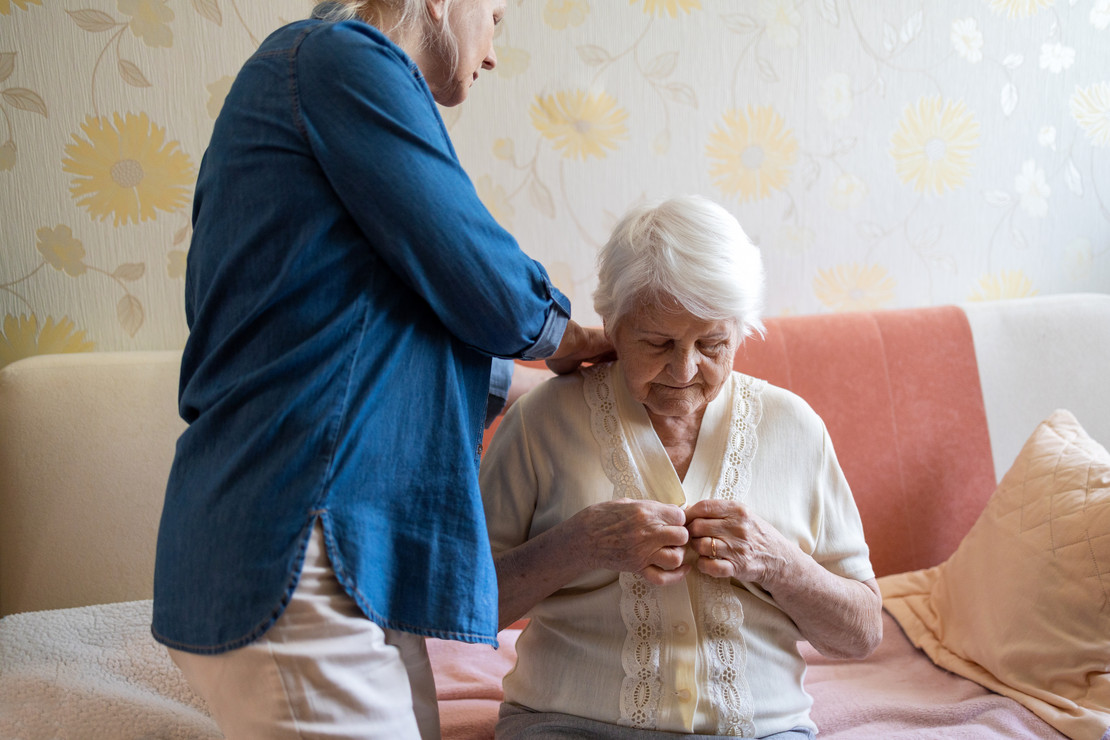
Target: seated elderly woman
(672, 528)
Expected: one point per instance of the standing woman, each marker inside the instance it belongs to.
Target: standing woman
(346, 291)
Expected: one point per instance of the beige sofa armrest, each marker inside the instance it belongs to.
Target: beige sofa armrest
(86, 443)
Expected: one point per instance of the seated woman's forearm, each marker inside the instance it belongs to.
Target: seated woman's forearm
(646, 537)
(840, 617)
(534, 570)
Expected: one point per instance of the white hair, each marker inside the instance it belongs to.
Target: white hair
(689, 249)
(412, 20)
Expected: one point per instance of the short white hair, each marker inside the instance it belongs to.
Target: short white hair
(688, 248)
(412, 18)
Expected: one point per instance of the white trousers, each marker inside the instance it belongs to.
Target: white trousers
(322, 671)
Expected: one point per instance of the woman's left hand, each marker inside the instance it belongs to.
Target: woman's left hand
(732, 542)
(839, 616)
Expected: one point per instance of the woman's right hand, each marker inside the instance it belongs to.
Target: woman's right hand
(645, 537)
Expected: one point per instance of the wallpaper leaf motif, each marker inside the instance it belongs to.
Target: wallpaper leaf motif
(93, 21)
(20, 98)
(7, 64)
(131, 74)
(64, 252)
(24, 99)
(209, 10)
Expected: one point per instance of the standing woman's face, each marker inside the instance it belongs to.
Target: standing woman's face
(472, 22)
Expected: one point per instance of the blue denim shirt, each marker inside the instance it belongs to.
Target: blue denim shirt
(345, 291)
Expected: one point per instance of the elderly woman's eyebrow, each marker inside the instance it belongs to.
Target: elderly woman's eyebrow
(718, 334)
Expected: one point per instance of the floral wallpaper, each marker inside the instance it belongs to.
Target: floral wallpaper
(882, 155)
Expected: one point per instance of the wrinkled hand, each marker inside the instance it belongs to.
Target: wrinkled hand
(732, 542)
(645, 537)
(580, 344)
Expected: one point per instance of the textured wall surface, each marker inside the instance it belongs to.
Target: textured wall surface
(901, 153)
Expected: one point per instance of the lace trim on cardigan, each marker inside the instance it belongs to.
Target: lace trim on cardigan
(721, 613)
(640, 610)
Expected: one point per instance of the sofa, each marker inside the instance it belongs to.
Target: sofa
(997, 614)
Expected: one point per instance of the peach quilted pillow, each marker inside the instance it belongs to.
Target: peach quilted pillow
(1023, 605)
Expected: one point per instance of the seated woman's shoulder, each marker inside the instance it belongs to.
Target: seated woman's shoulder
(555, 389)
(784, 404)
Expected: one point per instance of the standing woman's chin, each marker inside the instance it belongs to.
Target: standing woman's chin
(451, 96)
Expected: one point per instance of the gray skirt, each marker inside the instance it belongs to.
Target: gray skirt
(515, 723)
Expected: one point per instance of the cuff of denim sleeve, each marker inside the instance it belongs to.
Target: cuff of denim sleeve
(500, 378)
(554, 327)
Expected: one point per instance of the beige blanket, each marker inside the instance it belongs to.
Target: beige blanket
(95, 673)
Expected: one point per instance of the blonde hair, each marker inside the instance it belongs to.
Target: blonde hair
(413, 20)
(688, 248)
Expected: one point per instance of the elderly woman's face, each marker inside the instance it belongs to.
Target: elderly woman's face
(673, 362)
(473, 23)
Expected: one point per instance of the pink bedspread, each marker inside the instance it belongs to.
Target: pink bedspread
(896, 693)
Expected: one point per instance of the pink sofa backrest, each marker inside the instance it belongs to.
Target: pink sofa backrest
(899, 392)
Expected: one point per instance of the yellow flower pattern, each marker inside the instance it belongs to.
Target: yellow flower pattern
(149, 21)
(61, 250)
(6, 5)
(854, 288)
(933, 143)
(668, 7)
(495, 200)
(1090, 107)
(125, 168)
(1004, 285)
(580, 124)
(752, 152)
(21, 338)
(217, 94)
(1019, 8)
(176, 261)
(560, 14)
(906, 171)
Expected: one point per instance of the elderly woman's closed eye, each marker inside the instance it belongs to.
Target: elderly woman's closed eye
(670, 527)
